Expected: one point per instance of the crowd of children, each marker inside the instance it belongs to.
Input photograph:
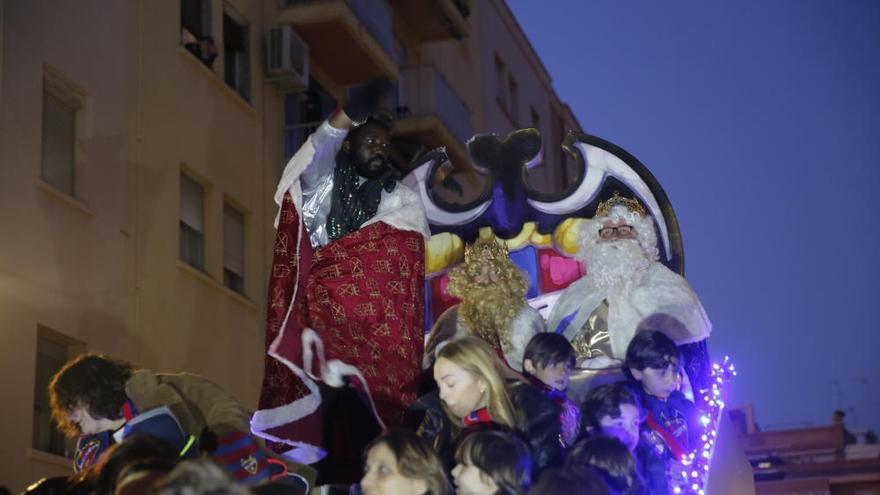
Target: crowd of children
(487, 429)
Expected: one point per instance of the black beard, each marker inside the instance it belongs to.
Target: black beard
(369, 171)
(353, 202)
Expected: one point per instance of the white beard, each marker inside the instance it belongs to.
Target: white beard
(615, 267)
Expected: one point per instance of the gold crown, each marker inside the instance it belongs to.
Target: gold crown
(485, 250)
(631, 204)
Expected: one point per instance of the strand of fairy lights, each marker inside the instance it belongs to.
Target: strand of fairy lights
(697, 463)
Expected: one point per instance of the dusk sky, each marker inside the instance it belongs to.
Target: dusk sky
(761, 120)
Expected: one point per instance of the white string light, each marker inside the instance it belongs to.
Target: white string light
(699, 460)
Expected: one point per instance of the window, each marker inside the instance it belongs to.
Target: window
(192, 220)
(195, 30)
(536, 119)
(53, 351)
(63, 103)
(399, 52)
(500, 83)
(195, 17)
(237, 73)
(233, 249)
(59, 135)
(514, 100)
(303, 113)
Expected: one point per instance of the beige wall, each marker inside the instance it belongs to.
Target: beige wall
(103, 268)
(188, 119)
(62, 262)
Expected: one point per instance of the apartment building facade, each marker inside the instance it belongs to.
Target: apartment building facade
(140, 146)
(813, 460)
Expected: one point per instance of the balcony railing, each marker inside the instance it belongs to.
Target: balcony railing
(434, 20)
(375, 15)
(423, 91)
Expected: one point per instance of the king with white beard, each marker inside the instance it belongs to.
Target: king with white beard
(626, 289)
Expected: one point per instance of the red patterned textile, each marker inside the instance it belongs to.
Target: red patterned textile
(357, 312)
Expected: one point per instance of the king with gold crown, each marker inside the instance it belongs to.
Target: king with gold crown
(626, 289)
(493, 304)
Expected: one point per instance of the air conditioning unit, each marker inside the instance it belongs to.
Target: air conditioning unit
(287, 59)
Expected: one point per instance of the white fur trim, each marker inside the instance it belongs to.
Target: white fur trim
(402, 209)
(267, 419)
(660, 291)
(330, 372)
(525, 325)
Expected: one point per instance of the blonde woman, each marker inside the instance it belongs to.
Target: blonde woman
(476, 388)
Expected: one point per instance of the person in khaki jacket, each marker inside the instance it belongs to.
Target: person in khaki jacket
(103, 400)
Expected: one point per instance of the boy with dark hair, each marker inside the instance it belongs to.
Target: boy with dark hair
(547, 362)
(653, 363)
(104, 401)
(491, 459)
(562, 481)
(612, 459)
(614, 410)
(549, 357)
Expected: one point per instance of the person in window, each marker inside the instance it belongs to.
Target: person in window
(203, 49)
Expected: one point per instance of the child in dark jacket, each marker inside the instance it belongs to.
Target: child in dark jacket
(613, 461)
(614, 410)
(653, 364)
(547, 362)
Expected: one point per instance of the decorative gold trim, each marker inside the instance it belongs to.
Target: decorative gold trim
(486, 249)
(631, 204)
